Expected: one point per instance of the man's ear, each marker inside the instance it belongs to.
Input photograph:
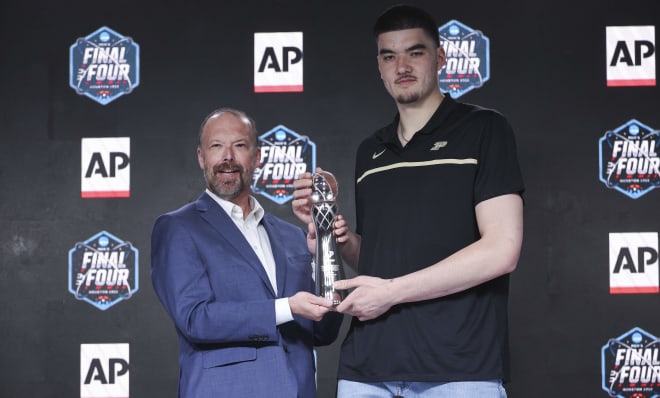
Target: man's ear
(442, 58)
(200, 158)
(257, 156)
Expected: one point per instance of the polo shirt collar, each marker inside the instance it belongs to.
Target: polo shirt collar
(389, 137)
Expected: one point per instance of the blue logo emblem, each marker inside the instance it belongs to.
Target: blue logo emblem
(629, 160)
(103, 270)
(284, 156)
(468, 59)
(104, 65)
(631, 365)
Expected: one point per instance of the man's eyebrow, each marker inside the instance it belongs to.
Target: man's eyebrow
(418, 46)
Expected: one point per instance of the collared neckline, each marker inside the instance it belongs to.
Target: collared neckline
(389, 136)
(235, 211)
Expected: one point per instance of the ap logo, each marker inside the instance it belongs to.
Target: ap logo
(630, 55)
(278, 62)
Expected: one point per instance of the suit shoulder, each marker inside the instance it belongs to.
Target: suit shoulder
(177, 216)
(181, 211)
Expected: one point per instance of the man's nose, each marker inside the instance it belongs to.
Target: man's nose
(227, 154)
(403, 65)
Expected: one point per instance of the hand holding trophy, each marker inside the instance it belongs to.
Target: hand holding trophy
(328, 264)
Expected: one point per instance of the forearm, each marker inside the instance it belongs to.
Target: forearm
(477, 263)
(350, 249)
(496, 253)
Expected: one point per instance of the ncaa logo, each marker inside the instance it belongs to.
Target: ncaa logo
(105, 167)
(104, 371)
(629, 160)
(284, 156)
(631, 365)
(278, 62)
(104, 65)
(634, 263)
(103, 270)
(630, 52)
(468, 59)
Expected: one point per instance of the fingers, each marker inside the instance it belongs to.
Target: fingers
(321, 301)
(361, 280)
(346, 284)
(304, 180)
(344, 307)
(340, 229)
(309, 306)
(311, 231)
(302, 197)
(302, 186)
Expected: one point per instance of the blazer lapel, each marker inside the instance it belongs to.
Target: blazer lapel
(276, 245)
(212, 213)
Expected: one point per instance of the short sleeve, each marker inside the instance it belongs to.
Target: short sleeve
(498, 170)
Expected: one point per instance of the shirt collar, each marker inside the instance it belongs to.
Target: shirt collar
(388, 134)
(234, 211)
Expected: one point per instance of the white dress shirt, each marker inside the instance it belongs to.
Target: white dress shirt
(256, 235)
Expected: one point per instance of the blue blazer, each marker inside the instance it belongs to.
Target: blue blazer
(216, 290)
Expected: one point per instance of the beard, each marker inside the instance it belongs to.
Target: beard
(224, 187)
(422, 90)
(407, 98)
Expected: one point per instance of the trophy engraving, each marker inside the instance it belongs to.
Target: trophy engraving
(328, 264)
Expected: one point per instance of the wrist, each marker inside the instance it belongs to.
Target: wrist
(394, 287)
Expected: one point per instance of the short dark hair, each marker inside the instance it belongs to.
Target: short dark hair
(400, 17)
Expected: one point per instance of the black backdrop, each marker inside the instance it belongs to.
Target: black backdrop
(547, 76)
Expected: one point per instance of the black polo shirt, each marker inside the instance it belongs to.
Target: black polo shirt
(415, 207)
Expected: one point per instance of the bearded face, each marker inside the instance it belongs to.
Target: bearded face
(228, 156)
(227, 179)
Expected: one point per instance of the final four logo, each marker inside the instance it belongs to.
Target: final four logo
(104, 65)
(468, 59)
(284, 156)
(103, 270)
(629, 160)
(631, 365)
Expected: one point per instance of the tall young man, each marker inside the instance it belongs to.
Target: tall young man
(439, 228)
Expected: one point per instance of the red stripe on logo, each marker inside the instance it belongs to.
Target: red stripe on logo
(105, 194)
(279, 89)
(634, 290)
(632, 82)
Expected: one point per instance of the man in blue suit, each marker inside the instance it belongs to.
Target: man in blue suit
(237, 281)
